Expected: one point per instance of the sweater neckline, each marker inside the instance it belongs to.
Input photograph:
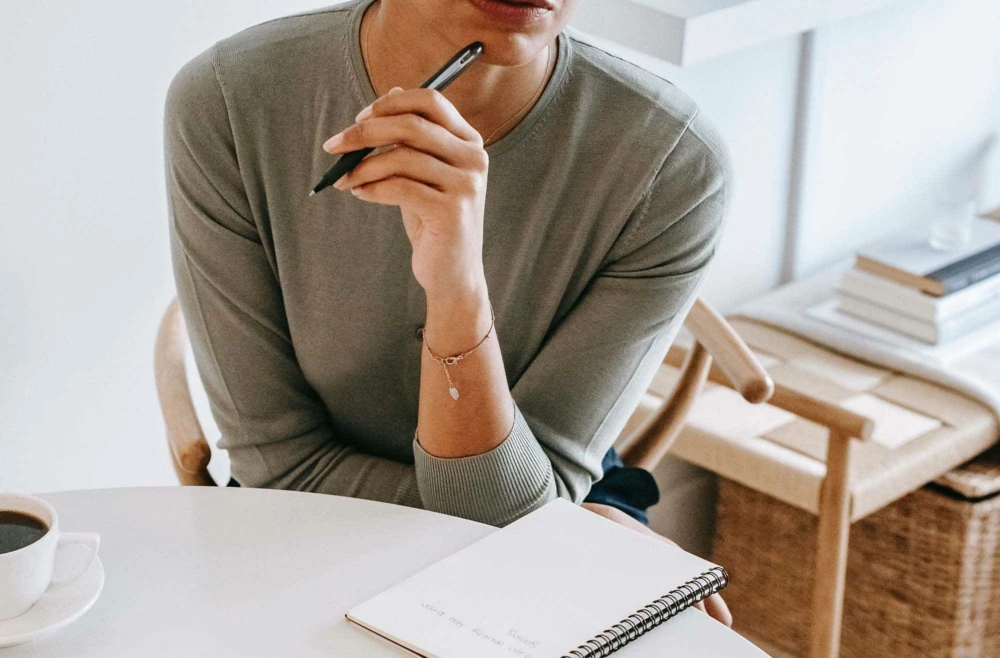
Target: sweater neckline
(365, 91)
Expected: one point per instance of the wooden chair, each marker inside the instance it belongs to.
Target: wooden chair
(189, 451)
(737, 368)
(714, 340)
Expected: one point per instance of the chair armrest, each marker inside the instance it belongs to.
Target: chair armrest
(189, 449)
(845, 423)
(744, 371)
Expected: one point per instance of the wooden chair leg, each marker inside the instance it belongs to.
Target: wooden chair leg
(831, 548)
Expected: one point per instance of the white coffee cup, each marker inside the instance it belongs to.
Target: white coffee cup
(27, 573)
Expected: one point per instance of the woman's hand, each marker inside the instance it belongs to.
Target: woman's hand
(713, 605)
(435, 170)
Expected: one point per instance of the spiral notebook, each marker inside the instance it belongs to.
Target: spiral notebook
(560, 582)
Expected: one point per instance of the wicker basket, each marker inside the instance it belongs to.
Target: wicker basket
(923, 575)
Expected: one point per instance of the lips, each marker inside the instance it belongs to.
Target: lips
(514, 13)
(543, 4)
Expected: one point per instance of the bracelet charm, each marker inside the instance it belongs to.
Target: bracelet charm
(446, 361)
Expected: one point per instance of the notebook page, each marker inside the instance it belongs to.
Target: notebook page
(537, 588)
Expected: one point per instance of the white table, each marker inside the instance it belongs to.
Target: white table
(198, 571)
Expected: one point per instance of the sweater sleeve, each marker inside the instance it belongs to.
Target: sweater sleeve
(273, 423)
(596, 363)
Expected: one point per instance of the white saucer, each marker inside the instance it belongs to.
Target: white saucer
(55, 609)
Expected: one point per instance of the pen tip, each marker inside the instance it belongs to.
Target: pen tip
(312, 192)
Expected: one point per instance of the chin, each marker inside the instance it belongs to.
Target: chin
(509, 49)
(505, 43)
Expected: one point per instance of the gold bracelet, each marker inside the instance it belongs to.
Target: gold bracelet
(446, 361)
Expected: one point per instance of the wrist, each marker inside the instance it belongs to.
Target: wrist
(458, 289)
(460, 297)
(457, 319)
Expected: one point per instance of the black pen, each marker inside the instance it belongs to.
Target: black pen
(444, 77)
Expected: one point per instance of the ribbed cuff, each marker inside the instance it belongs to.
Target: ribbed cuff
(496, 487)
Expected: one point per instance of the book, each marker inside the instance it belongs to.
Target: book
(916, 304)
(887, 340)
(908, 259)
(929, 332)
(558, 582)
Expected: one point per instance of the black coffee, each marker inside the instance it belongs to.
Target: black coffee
(18, 530)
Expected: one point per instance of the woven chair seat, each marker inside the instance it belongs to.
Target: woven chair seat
(922, 430)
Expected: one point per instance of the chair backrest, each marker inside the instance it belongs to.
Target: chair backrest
(189, 450)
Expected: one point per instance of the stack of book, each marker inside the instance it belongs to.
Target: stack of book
(902, 283)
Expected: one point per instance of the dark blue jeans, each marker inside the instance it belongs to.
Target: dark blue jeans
(632, 490)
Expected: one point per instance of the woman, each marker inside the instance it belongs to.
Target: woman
(567, 193)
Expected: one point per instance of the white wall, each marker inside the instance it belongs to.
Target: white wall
(910, 96)
(85, 272)
(909, 91)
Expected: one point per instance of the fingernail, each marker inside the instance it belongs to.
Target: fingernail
(364, 114)
(395, 89)
(333, 142)
(339, 184)
(355, 191)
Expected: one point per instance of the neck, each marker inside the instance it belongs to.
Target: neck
(399, 54)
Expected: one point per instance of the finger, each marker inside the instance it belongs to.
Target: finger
(428, 103)
(718, 610)
(402, 161)
(409, 129)
(701, 606)
(399, 191)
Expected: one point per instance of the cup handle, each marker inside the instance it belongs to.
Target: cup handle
(89, 539)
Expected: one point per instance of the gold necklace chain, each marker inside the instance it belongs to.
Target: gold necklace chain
(548, 55)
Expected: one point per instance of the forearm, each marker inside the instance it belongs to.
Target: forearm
(475, 456)
(317, 463)
(482, 416)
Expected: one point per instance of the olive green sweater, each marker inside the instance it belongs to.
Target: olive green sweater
(602, 211)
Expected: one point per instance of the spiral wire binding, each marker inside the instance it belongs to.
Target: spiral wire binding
(652, 615)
